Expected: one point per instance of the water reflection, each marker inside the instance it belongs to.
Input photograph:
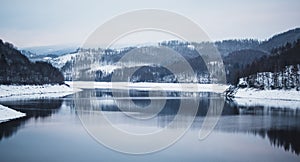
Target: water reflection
(287, 139)
(280, 126)
(34, 109)
(105, 101)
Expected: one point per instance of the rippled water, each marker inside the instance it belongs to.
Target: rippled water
(52, 130)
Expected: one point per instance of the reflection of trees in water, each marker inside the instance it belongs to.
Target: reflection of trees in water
(213, 103)
(105, 101)
(7, 129)
(280, 126)
(33, 108)
(288, 139)
(136, 93)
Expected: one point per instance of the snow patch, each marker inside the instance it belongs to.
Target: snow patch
(191, 47)
(13, 92)
(9, 114)
(106, 69)
(60, 61)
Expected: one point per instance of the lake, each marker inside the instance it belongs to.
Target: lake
(57, 129)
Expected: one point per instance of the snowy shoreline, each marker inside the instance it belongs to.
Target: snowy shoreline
(276, 103)
(180, 87)
(35, 91)
(9, 114)
(270, 98)
(15, 92)
(252, 93)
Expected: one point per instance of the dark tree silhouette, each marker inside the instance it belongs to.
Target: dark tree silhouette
(16, 68)
(283, 64)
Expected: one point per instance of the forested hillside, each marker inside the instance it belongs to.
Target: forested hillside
(279, 70)
(237, 54)
(15, 68)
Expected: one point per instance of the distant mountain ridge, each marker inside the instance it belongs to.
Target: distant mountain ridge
(236, 54)
(236, 61)
(281, 39)
(51, 49)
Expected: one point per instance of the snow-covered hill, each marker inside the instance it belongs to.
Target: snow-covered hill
(99, 65)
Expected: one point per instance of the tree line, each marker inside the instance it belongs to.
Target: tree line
(16, 68)
(278, 70)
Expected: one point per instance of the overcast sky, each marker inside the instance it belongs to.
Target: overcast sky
(35, 22)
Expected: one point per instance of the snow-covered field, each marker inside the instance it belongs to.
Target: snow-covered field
(14, 92)
(184, 87)
(8, 114)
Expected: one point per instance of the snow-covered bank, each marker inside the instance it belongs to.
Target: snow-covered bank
(8, 92)
(275, 103)
(8, 114)
(35, 91)
(184, 87)
(268, 98)
(251, 93)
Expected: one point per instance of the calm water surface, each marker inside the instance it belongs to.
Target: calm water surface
(52, 131)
